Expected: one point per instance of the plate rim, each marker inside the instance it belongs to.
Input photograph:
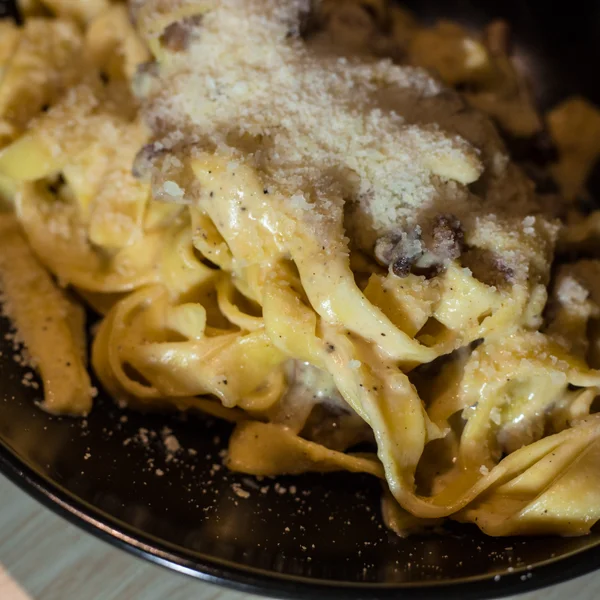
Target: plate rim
(253, 580)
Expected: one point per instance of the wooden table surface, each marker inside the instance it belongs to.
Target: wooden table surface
(42, 557)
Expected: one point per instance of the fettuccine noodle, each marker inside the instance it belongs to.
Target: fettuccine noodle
(287, 218)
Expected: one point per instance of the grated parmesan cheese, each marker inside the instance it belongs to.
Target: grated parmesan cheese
(391, 138)
(380, 146)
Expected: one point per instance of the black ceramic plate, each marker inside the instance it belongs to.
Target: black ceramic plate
(311, 535)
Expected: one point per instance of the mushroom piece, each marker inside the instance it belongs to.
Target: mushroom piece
(422, 253)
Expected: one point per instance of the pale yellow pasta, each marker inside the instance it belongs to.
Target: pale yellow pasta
(45, 61)
(9, 38)
(291, 234)
(80, 10)
(112, 44)
(41, 312)
(448, 49)
(29, 8)
(574, 125)
(293, 454)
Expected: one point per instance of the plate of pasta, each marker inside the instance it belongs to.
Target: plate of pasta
(302, 296)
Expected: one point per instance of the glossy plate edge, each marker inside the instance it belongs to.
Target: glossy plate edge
(256, 581)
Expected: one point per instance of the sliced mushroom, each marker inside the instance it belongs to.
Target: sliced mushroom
(423, 253)
(178, 35)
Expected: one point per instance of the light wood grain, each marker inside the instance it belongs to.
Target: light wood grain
(42, 557)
